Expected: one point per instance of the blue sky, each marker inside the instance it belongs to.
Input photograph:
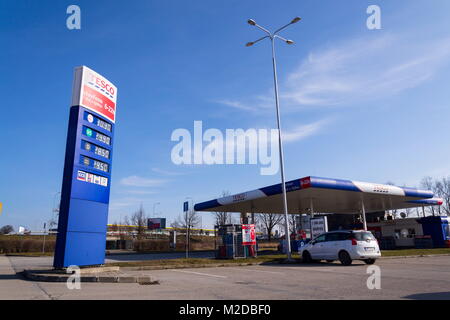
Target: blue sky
(368, 105)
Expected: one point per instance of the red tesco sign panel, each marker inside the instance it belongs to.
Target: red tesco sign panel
(94, 92)
(248, 234)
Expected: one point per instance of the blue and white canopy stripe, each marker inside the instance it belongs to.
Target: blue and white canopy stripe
(325, 195)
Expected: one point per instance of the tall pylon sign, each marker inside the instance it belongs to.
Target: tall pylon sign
(83, 214)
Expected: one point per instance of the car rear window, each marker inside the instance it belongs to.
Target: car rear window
(362, 236)
(338, 236)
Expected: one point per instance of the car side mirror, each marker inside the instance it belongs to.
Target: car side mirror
(313, 242)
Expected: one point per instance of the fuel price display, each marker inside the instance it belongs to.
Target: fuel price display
(99, 151)
(97, 121)
(96, 135)
(99, 165)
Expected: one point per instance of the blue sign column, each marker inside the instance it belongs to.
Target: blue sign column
(83, 215)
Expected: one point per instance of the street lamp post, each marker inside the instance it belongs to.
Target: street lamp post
(187, 227)
(154, 205)
(272, 37)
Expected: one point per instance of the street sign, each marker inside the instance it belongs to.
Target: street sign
(86, 183)
(185, 206)
(1, 207)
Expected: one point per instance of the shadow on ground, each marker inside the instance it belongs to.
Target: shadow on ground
(300, 264)
(429, 296)
(10, 277)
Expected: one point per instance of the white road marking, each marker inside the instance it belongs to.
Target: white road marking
(255, 270)
(198, 273)
(317, 269)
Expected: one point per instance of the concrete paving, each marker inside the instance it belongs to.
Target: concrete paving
(412, 278)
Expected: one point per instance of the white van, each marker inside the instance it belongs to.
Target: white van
(341, 245)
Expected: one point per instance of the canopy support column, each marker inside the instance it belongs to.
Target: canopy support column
(363, 214)
(312, 207)
(311, 215)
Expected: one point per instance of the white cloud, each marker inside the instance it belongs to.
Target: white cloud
(354, 71)
(289, 135)
(135, 181)
(140, 192)
(360, 70)
(167, 173)
(303, 131)
(236, 104)
(127, 203)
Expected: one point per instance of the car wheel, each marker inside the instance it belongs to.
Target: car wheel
(306, 257)
(344, 258)
(369, 261)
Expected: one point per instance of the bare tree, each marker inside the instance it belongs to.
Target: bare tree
(53, 223)
(269, 221)
(187, 221)
(124, 227)
(6, 229)
(429, 184)
(443, 191)
(125, 221)
(393, 212)
(114, 227)
(223, 218)
(139, 219)
(293, 223)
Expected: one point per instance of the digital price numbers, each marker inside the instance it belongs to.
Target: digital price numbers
(97, 121)
(99, 151)
(99, 165)
(96, 135)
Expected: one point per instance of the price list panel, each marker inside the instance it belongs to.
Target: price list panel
(86, 187)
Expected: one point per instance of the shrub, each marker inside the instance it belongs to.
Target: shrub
(18, 245)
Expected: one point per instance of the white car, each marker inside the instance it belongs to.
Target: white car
(341, 245)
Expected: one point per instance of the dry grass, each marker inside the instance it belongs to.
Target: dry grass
(22, 244)
(193, 262)
(414, 252)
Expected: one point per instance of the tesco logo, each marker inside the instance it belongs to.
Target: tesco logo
(102, 84)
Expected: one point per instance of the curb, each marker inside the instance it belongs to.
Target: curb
(416, 256)
(36, 276)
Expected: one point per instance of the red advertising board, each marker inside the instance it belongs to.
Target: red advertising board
(248, 234)
(94, 92)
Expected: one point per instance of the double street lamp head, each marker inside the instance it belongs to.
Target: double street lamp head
(271, 35)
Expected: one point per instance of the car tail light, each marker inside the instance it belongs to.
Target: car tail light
(354, 242)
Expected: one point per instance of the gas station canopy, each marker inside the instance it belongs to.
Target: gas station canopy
(323, 195)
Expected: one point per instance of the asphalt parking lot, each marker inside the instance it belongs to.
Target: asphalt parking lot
(401, 278)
